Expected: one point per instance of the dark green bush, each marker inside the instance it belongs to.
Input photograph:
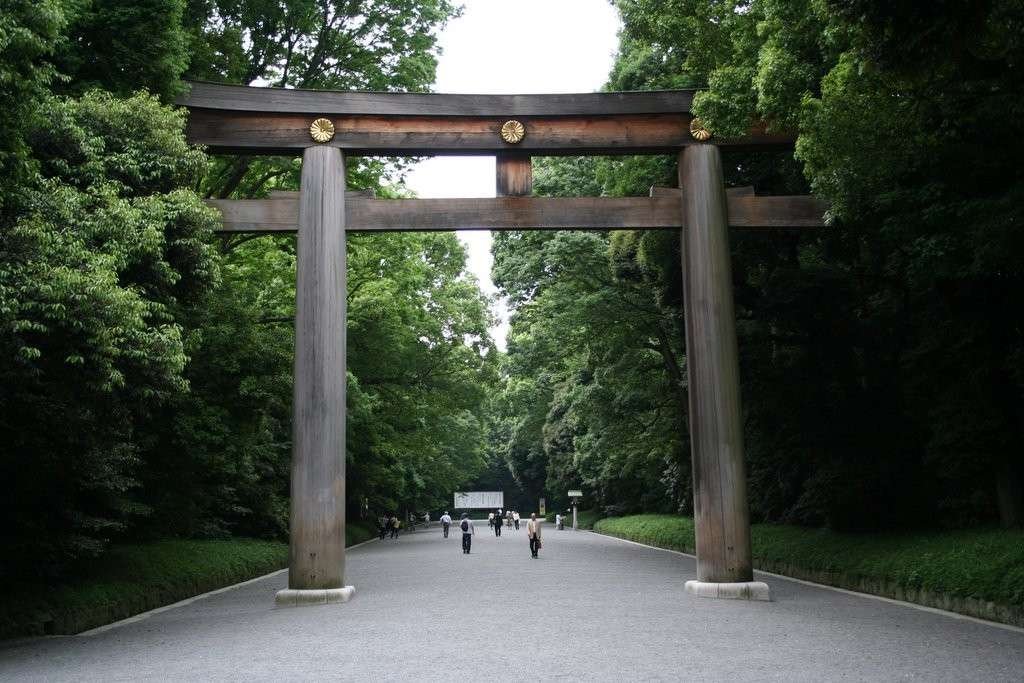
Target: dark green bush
(987, 564)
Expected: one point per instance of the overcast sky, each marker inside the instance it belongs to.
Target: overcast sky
(518, 46)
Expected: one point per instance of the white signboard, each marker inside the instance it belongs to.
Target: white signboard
(575, 493)
(471, 500)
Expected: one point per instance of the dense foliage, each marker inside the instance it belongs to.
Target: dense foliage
(318, 44)
(146, 363)
(135, 577)
(882, 364)
(130, 579)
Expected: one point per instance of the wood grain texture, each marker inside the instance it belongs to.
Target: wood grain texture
(519, 213)
(513, 175)
(798, 211)
(721, 517)
(229, 131)
(730, 192)
(317, 518)
(349, 194)
(282, 100)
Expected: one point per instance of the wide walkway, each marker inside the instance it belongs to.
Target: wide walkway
(590, 609)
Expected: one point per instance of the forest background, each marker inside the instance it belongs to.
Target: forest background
(146, 372)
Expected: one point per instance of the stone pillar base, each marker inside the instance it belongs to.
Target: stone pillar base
(295, 598)
(746, 590)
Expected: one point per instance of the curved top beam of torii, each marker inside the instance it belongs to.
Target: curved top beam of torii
(254, 120)
(352, 102)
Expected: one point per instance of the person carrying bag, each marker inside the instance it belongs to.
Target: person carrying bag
(467, 533)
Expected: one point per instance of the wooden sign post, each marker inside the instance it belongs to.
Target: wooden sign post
(575, 494)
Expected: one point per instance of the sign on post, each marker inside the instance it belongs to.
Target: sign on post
(575, 494)
(475, 500)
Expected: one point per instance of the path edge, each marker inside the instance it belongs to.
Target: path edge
(872, 596)
(188, 601)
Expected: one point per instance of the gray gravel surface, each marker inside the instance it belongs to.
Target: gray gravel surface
(591, 608)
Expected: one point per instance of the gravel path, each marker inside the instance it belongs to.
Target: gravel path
(591, 608)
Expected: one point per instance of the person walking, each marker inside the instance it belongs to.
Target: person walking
(467, 532)
(394, 526)
(515, 519)
(382, 526)
(497, 524)
(533, 532)
(446, 522)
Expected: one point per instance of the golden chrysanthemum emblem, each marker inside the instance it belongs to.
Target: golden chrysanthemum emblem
(513, 131)
(699, 131)
(321, 130)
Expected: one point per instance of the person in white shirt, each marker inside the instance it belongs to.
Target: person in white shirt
(533, 533)
(515, 520)
(467, 532)
(446, 522)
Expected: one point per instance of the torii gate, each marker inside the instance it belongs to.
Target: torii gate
(325, 126)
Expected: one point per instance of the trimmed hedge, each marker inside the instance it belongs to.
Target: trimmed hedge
(130, 579)
(977, 572)
(663, 531)
(356, 533)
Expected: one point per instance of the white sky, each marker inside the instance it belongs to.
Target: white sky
(517, 46)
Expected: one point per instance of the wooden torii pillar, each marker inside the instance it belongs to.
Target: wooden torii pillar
(325, 126)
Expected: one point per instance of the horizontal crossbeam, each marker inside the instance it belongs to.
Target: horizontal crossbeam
(348, 102)
(241, 119)
(280, 213)
(232, 132)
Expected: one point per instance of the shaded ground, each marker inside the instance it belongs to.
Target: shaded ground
(592, 607)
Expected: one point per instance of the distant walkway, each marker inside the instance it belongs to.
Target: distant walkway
(591, 608)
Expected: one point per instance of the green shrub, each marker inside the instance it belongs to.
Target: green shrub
(359, 532)
(664, 531)
(130, 579)
(984, 564)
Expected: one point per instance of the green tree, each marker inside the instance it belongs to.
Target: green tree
(29, 30)
(361, 45)
(422, 363)
(881, 370)
(92, 272)
(123, 46)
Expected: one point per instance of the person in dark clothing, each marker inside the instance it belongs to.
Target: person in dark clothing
(467, 533)
(498, 520)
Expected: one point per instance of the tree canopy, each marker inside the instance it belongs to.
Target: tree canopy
(147, 367)
(880, 356)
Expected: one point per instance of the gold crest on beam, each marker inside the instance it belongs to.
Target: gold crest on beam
(513, 131)
(699, 131)
(321, 130)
